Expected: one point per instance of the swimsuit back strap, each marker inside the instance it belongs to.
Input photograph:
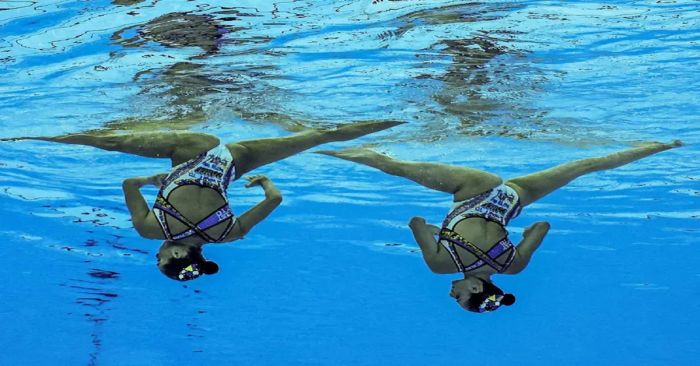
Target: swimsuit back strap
(455, 257)
(221, 214)
(450, 247)
(164, 205)
(457, 239)
(228, 229)
(501, 247)
(160, 217)
(511, 256)
(473, 266)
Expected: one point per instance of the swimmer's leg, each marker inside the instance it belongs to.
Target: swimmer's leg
(252, 154)
(177, 146)
(534, 186)
(463, 183)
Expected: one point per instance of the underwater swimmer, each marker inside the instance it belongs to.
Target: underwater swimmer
(192, 208)
(473, 239)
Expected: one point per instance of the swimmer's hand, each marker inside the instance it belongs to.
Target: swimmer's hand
(416, 222)
(419, 222)
(156, 180)
(271, 192)
(257, 180)
(259, 212)
(532, 238)
(538, 228)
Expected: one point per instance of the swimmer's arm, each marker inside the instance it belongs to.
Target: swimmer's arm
(142, 217)
(425, 237)
(532, 238)
(259, 212)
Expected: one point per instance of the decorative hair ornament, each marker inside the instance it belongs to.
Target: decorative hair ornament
(190, 272)
(491, 303)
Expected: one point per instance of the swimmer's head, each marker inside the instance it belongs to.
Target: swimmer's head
(183, 262)
(479, 296)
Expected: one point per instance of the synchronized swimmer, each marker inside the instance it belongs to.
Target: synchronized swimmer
(473, 239)
(192, 208)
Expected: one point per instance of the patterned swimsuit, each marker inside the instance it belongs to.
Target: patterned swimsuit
(213, 169)
(498, 205)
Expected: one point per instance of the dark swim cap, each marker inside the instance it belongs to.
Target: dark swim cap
(189, 267)
(490, 299)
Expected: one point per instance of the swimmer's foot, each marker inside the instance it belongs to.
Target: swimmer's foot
(670, 145)
(357, 129)
(10, 139)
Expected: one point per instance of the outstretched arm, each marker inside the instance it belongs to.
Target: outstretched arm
(143, 219)
(255, 215)
(425, 237)
(532, 238)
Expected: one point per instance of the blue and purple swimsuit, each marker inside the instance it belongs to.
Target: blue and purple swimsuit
(499, 205)
(213, 169)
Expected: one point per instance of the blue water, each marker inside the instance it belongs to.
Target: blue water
(333, 277)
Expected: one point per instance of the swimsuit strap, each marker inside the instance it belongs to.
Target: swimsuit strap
(496, 251)
(221, 214)
(511, 256)
(457, 260)
(228, 229)
(163, 204)
(457, 239)
(162, 221)
(478, 263)
(455, 256)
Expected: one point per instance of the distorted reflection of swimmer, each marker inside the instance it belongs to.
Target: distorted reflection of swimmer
(473, 239)
(192, 208)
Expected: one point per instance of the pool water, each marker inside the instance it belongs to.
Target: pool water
(333, 276)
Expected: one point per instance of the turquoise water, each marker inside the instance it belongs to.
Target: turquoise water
(333, 276)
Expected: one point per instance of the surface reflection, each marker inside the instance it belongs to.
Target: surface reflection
(489, 83)
(189, 92)
(486, 87)
(126, 2)
(176, 30)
